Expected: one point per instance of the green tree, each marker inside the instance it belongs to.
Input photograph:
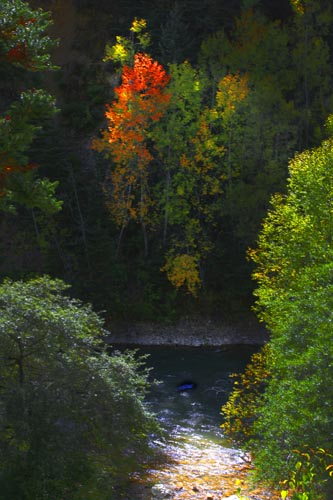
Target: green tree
(123, 51)
(212, 60)
(24, 49)
(193, 141)
(264, 137)
(309, 31)
(259, 136)
(294, 298)
(73, 422)
(175, 38)
(178, 188)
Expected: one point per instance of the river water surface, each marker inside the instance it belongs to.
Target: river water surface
(196, 410)
(197, 462)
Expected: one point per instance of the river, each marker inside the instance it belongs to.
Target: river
(197, 410)
(197, 462)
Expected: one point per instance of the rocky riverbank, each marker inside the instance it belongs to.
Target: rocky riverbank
(192, 465)
(188, 332)
(195, 468)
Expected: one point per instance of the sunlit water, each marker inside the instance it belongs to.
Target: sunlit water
(195, 411)
(197, 462)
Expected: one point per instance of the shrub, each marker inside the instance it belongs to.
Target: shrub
(242, 407)
(73, 421)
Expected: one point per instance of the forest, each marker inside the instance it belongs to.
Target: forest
(160, 160)
(162, 232)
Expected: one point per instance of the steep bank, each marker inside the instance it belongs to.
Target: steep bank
(188, 332)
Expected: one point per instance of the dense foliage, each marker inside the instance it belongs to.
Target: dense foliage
(72, 418)
(200, 105)
(243, 406)
(290, 434)
(237, 104)
(294, 274)
(24, 48)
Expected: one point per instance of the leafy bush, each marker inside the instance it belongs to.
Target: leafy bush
(242, 407)
(311, 476)
(294, 275)
(72, 419)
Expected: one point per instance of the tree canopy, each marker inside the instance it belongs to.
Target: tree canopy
(24, 47)
(159, 223)
(72, 416)
(290, 417)
(139, 170)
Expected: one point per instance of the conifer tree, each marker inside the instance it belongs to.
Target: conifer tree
(24, 49)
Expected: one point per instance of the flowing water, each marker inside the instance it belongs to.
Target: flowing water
(195, 411)
(197, 462)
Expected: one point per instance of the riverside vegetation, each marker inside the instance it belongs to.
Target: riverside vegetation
(281, 407)
(151, 218)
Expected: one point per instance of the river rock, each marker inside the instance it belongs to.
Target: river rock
(233, 497)
(236, 497)
(161, 491)
(187, 332)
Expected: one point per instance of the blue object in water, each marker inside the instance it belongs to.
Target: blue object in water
(187, 385)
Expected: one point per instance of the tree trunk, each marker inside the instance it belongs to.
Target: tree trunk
(81, 220)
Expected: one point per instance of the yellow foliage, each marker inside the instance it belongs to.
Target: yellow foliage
(138, 25)
(232, 90)
(298, 6)
(241, 409)
(119, 52)
(183, 270)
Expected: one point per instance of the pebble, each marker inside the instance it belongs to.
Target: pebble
(233, 497)
(160, 492)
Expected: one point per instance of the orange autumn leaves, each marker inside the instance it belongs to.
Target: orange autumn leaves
(140, 100)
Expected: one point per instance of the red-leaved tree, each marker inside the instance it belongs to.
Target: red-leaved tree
(141, 100)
